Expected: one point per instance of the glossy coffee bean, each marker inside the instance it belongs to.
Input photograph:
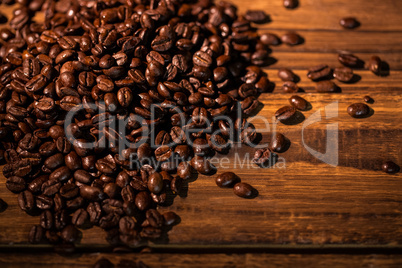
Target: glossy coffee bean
(299, 103)
(349, 23)
(292, 39)
(358, 110)
(286, 75)
(319, 72)
(285, 113)
(343, 74)
(244, 190)
(327, 86)
(390, 167)
(227, 180)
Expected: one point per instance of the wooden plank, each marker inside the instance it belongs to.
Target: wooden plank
(204, 260)
(374, 15)
(305, 60)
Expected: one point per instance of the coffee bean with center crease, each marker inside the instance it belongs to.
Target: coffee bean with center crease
(26, 201)
(319, 72)
(244, 190)
(264, 157)
(290, 87)
(350, 60)
(343, 74)
(285, 113)
(358, 110)
(15, 184)
(46, 219)
(36, 234)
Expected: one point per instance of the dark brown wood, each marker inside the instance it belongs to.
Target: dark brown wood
(204, 260)
(308, 202)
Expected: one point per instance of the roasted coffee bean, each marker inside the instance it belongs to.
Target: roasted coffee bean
(80, 218)
(70, 234)
(44, 202)
(155, 183)
(227, 180)
(375, 65)
(264, 157)
(292, 39)
(184, 170)
(290, 87)
(290, 4)
(279, 143)
(285, 113)
(36, 234)
(201, 164)
(327, 86)
(358, 110)
(390, 167)
(299, 103)
(343, 74)
(46, 219)
(15, 184)
(286, 75)
(319, 72)
(349, 60)
(26, 201)
(256, 16)
(170, 218)
(368, 99)
(349, 23)
(244, 190)
(91, 193)
(143, 201)
(270, 39)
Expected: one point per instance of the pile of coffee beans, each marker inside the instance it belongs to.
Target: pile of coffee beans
(108, 107)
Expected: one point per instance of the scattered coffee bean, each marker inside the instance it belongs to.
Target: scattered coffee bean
(358, 110)
(343, 74)
(299, 103)
(290, 4)
(256, 16)
(327, 86)
(264, 158)
(285, 113)
(319, 72)
(349, 23)
(227, 180)
(292, 39)
(286, 75)
(350, 60)
(290, 87)
(279, 143)
(244, 190)
(270, 39)
(375, 65)
(390, 167)
(368, 99)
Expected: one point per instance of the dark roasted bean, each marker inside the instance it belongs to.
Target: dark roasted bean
(298, 102)
(327, 86)
(227, 180)
(319, 72)
(244, 190)
(358, 110)
(349, 23)
(285, 113)
(390, 167)
(343, 74)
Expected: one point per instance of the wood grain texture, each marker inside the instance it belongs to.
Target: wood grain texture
(308, 201)
(205, 260)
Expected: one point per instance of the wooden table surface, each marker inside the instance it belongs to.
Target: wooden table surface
(308, 212)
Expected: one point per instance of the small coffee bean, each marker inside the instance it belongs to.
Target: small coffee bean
(390, 167)
(358, 110)
(298, 102)
(368, 99)
(349, 23)
(26, 201)
(46, 219)
(290, 4)
(155, 183)
(36, 234)
(70, 234)
(227, 180)
(343, 74)
(15, 184)
(170, 218)
(244, 190)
